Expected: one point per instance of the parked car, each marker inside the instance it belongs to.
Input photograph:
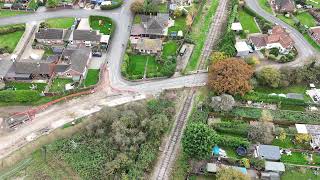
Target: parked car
(97, 54)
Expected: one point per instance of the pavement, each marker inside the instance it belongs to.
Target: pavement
(305, 50)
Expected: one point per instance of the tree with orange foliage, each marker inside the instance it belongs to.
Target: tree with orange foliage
(230, 76)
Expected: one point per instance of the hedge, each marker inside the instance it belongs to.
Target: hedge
(279, 116)
(232, 141)
(257, 97)
(19, 96)
(112, 5)
(230, 127)
(11, 28)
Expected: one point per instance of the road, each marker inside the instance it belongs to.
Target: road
(305, 50)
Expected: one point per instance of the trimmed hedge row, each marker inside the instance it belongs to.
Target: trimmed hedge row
(257, 97)
(11, 28)
(232, 141)
(19, 96)
(240, 129)
(279, 116)
(112, 5)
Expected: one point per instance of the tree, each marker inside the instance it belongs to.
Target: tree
(52, 3)
(261, 132)
(136, 6)
(302, 138)
(177, 13)
(266, 116)
(231, 174)
(270, 77)
(230, 76)
(224, 102)
(198, 140)
(218, 56)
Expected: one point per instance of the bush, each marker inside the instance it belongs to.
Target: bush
(240, 129)
(232, 141)
(22, 96)
(274, 51)
(11, 28)
(227, 43)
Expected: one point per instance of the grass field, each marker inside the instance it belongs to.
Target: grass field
(179, 25)
(247, 22)
(299, 174)
(312, 42)
(306, 19)
(163, 8)
(264, 4)
(170, 48)
(58, 84)
(291, 89)
(61, 23)
(106, 27)
(10, 40)
(26, 86)
(92, 77)
(314, 3)
(199, 32)
(7, 13)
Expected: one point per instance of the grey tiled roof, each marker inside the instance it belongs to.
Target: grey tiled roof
(29, 67)
(53, 34)
(269, 152)
(79, 59)
(86, 35)
(4, 67)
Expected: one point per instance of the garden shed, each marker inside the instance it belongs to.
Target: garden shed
(268, 152)
(274, 166)
(211, 167)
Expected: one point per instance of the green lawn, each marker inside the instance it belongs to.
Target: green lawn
(137, 19)
(170, 48)
(137, 64)
(311, 41)
(61, 23)
(316, 5)
(162, 8)
(264, 4)
(199, 32)
(179, 25)
(299, 174)
(295, 158)
(287, 143)
(58, 84)
(92, 77)
(291, 89)
(247, 22)
(7, 13)
(106, 27)
(306, 19)
(26, 86)
(10, 40)
(287, 20)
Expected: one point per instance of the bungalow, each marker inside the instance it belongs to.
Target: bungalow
(152, 26)
(50, 36)
(284, 6)
(148, 46)
(277, 38)
(87, 37)
(314, 32)
(29, 70)
(242, 48)
(74, 64)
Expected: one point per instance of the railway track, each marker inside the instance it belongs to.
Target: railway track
(214, 32)
(162, 172)
(169, 153)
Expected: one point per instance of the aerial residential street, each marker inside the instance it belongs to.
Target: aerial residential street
(305, 50)
(238, 99)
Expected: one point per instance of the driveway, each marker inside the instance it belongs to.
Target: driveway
(305, 50)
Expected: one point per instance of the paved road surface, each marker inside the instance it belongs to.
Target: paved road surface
(305, 50)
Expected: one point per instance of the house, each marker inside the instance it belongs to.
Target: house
(74, 64)
(148, 46)
(268, 152)
(242, 48)
(314, 32)
(284, 6)
(87, 37)
(29, 70)
(277, 38)
(50, 36)
(5, 66)
(152, 26)
(274, 166)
